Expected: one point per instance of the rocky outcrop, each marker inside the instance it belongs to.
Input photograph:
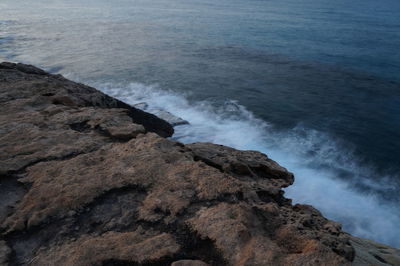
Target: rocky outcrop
(88, 180)
(31, 88)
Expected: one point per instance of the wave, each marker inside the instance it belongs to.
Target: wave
(327, 173)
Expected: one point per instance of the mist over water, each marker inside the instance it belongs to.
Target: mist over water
(314, 84)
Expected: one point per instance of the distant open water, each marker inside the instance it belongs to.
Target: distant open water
(313, 84)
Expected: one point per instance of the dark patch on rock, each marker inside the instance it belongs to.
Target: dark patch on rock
(80, 126)
(11, 192)
(28, 69)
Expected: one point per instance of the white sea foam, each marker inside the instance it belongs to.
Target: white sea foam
(317, 161)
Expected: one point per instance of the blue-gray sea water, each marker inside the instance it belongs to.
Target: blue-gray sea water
(315, 84)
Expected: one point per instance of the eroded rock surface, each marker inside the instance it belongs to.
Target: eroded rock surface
(112, 247)
(88, 180)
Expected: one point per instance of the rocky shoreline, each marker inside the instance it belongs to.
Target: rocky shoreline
(86, 179)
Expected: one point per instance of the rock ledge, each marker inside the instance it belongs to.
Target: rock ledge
(88, 180)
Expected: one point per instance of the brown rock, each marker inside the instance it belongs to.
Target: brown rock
(58, 132)
(189, 263)
(41, 90)
(139, 246)
(84, 181)
(149, 162)
(251, 235)
(242, 163)
(125, 132)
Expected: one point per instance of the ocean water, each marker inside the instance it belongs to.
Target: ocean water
(313, 84)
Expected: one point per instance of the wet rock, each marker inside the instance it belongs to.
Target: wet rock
(143, 106)
(167, 116)
(170, 118)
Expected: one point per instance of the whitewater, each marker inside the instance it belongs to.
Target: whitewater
(324, 168)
